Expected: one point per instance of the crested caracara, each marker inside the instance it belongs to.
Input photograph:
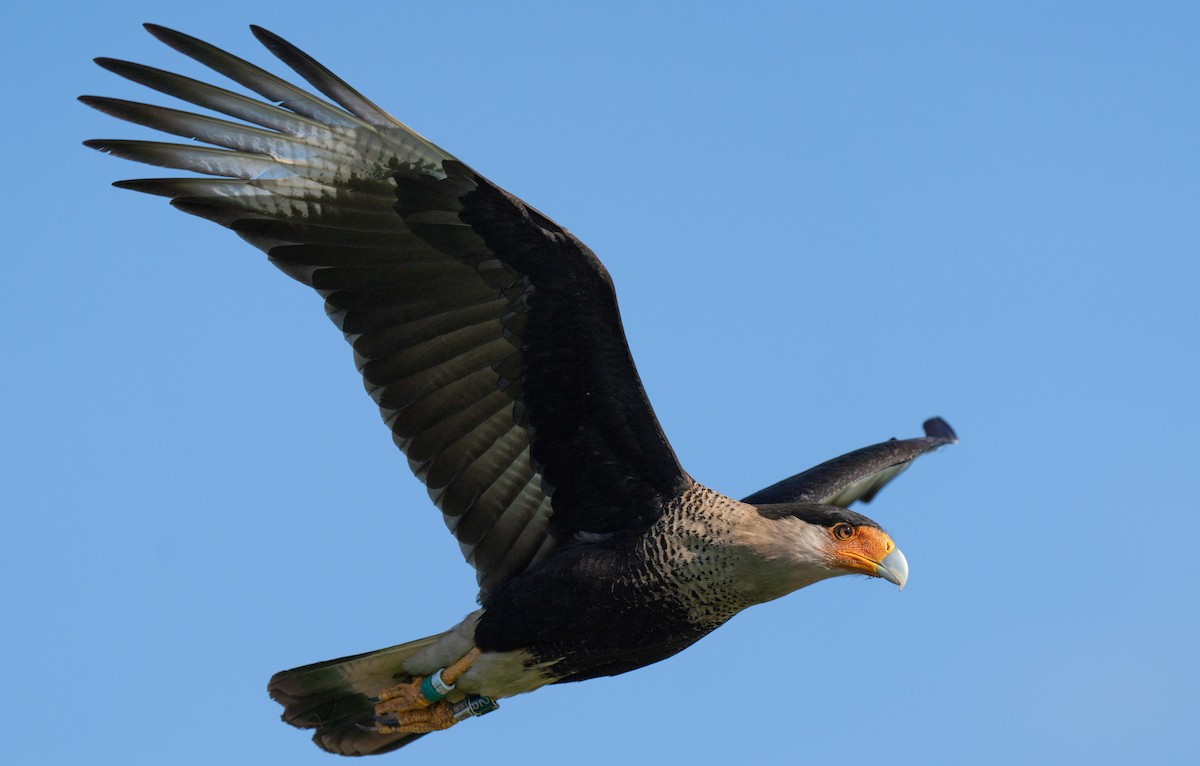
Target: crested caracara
(490, 339)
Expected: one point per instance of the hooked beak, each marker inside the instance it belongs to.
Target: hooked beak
(893, 568)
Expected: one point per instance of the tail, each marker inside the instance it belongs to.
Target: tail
(336, 697)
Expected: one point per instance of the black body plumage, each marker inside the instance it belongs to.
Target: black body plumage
(606, 604)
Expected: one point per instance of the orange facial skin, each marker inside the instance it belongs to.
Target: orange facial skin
(862, 551)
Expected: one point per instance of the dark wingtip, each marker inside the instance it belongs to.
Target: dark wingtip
(118, 66)
(272, 41)
(169, 36)
(95, 102)
(143, 185)
(936, 428)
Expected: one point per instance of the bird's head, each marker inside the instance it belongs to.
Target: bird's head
(798, 544)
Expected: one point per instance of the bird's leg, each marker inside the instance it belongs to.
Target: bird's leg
(403, 701)
(419, 706)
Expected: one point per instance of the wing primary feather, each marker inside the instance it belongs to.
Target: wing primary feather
(182, 187)
(199, 159)
(211, 130)
(217, 99)
(255, 78)
(324, 80)
(334, 87)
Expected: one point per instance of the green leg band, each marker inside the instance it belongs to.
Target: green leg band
(433, 689)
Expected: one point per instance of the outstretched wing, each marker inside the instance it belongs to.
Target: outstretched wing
(488, 335)
(857, 475)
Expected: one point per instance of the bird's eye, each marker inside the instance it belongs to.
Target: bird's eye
(843, 531)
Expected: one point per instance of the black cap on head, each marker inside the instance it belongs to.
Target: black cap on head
(822, 515)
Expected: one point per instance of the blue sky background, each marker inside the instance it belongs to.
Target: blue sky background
(826, 222)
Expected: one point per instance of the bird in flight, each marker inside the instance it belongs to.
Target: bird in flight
(489, 337)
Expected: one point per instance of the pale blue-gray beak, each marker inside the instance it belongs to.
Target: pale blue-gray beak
(893, 568)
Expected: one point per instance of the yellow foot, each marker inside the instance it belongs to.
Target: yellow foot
(438, 716)
(407, 696)
(421, 693)
(433, 717)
